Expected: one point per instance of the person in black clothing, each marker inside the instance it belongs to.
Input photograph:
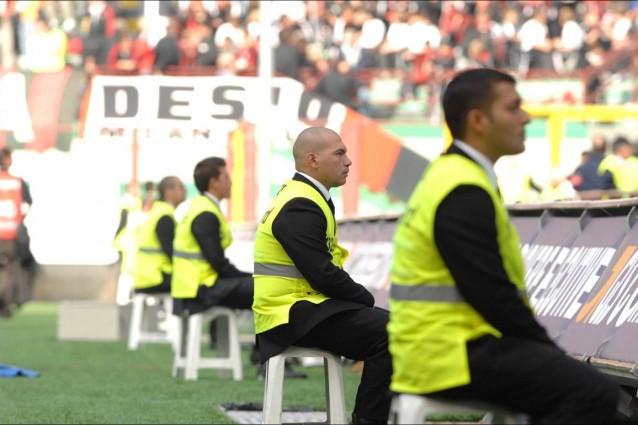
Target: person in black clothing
(287, 58)
(339, 85)
(499, 352)
(167, 50)
(586, 175)
(323, 308)
(205, 226)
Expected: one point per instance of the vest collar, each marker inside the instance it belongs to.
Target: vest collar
(462, 148)
(213, 198)
(313, 182)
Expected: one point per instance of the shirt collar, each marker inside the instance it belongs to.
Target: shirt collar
(212, 198)
(324, 191)
(480, 159)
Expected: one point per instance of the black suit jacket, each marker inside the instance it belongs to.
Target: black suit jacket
(300, 227)
(465, 236)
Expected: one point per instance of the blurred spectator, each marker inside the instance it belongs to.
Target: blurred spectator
(623, 166)
(535, 44)
(150, 195)
(7, 36)
(351, 47)
(510, 27)
(207, 50)
(396, 41)
(421, 72)
(445, 58)
(339, 85)
(45, 49)
(477, 56)
(372, 35)
(167, 52)
(27, 15)
(586, 175)
(98, 27)
(15, 200)
(558, 189)
(455, 20)
(422, 33)
(567, 55)
(287, 59)
(246, 58)
(481, 30)
(130, 53)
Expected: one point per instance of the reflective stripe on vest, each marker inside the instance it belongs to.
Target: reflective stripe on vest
(279, 270)
(188, 255)
(151, 250)
(429, 293)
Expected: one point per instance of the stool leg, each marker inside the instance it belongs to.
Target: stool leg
(222, 322)
(407, 409)
(234, 348)
(273, 390)
(335, 394)
(179, 362)
(135, 329)
(193, 346)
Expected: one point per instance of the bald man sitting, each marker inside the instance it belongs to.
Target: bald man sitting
(303, 297)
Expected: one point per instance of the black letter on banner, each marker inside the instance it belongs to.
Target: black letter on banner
(219, 98)
(275, 94)
(166, 102)
(304, 103)
(132, 101)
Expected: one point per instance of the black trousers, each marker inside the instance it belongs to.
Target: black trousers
(232, 292)
(163, 287)
(360, 335)
(537, 379)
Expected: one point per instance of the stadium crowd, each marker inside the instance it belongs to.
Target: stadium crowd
(421, 41)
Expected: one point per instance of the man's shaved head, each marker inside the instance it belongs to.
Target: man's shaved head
(311, 140)
(321, 154)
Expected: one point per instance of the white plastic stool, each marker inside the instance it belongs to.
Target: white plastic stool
(189, 344)
(333, 372)
(137, 335)
(412, 409)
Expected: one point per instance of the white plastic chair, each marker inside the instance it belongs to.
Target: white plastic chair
(274, 382)
(412, 409)
(188, 356)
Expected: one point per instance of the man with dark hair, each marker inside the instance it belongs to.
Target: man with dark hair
(153, 262)
(202, 274)
(15, 200)
(303, 297)
(461, 325)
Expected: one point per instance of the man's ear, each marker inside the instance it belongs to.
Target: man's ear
(312, 160)
(477, 120)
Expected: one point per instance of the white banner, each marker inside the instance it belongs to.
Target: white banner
(200, 103)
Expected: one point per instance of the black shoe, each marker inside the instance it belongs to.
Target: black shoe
(289, 372)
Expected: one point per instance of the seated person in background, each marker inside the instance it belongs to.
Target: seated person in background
(203, 276)
(303, 297)
(461, 326)
(153, 263)
(622, 165)
(586, 175)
